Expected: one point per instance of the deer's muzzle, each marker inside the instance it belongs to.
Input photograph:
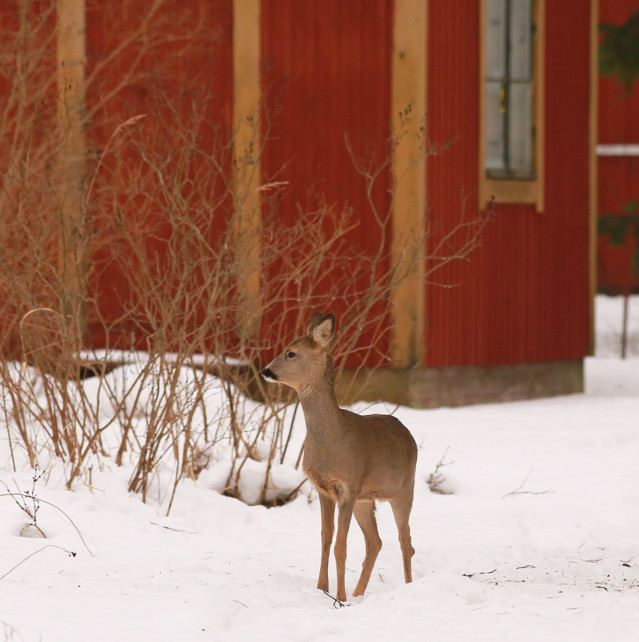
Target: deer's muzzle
(269, 375)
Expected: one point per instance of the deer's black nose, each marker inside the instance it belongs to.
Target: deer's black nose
(269, 375)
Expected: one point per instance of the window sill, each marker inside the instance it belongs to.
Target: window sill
(509, 191)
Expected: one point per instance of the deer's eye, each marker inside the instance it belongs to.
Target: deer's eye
(290, 355)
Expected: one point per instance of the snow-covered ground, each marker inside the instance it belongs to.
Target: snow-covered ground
(538, 540)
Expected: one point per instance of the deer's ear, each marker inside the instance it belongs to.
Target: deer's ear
(322, 329)
(315, 321)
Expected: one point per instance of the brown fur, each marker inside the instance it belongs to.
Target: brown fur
(352, 460)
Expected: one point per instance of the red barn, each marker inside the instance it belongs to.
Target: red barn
(426, 170)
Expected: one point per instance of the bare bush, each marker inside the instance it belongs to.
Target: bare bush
(436, 480)
(161, 267)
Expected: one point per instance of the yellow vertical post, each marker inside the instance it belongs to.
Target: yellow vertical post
(71, 63)
(246, 161)
(408, 106)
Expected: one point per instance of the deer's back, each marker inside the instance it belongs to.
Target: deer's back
(373, 456)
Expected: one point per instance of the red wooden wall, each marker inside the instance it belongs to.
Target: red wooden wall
(28, 99)
(524, 295)
(618, 176)
(174, 67)
(326, 74)
(326, 70)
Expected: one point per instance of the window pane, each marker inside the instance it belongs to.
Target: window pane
(509, 132)
(494, 128)
(520, 139)
(495, 39)
(520, 39)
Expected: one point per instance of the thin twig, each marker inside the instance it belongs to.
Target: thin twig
(337, 604)
(469, 575)
(519, 490)
(28, 557)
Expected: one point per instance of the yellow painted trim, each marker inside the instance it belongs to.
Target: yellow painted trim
(247, 218)
(508, 190)
(408, 108)
(593, 135)
(72, 152)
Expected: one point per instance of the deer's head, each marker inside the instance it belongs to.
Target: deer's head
(306, 362)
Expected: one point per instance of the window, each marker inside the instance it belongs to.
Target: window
(509, 89)
(511, 170)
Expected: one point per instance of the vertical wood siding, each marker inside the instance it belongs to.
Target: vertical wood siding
(523, 296)
(177, 72)
(327, 76)
(326, 73)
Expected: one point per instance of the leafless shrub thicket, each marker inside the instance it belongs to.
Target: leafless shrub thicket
(161, 268)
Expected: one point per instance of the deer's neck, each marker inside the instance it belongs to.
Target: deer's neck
(321, 412)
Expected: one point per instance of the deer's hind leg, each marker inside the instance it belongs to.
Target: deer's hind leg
(365, 515)
(401, 505)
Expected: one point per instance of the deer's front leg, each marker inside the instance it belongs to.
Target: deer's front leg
(343, 523)
(327, 506)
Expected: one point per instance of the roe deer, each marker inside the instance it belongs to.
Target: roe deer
(351, 459)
